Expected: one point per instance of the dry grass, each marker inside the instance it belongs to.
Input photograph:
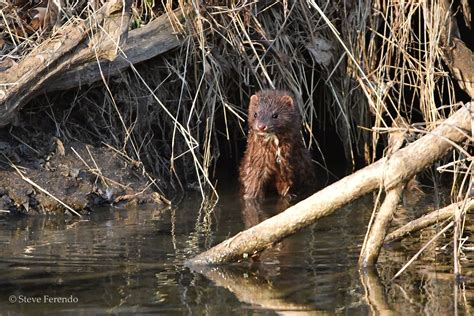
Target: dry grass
(351, 66)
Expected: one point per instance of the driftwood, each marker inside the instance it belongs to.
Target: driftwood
(461, 62)
(386, 172)
(428, 220)
(19, 83)
(70, 56)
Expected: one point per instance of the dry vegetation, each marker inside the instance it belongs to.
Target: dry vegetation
(351, 66)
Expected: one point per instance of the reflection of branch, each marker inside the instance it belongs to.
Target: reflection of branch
(441, 232)
(374, 292)
(254, 290)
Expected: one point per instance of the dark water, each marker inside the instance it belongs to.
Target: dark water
(131, 261)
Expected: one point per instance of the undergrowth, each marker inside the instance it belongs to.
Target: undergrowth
(355, 67)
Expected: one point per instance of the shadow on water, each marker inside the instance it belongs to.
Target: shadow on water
(131, 261)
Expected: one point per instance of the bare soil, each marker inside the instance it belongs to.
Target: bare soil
(80, 175)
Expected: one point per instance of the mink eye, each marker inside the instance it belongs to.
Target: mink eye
(275, 115)
(255, 114)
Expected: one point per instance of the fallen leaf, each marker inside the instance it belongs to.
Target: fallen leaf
(321, 49)
(38, 16)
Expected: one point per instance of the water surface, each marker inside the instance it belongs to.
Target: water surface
(131, 261)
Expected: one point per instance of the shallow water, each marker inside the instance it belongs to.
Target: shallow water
(131, 261)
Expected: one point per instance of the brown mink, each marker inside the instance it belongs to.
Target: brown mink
(276, 159)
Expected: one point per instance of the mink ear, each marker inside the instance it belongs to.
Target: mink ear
(253, 101)
(253, 104)
(286, 99)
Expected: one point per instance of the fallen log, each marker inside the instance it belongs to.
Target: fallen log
(77, 42)
(386, 172)
(428, 220)
(383, 217)
(151, 40)
(18, 83)
(81, 52)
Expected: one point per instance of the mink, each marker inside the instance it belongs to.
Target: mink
(275, 160)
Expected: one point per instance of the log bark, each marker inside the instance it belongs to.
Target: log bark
(151, 40)
(371, 249)
(19, 83)
(458, 57)
(428, 220)
(401, 166)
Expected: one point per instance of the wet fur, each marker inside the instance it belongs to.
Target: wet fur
(275, 161)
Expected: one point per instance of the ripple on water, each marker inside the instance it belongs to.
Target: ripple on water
(131, 261)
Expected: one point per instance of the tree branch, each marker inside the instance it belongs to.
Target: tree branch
(428, 220)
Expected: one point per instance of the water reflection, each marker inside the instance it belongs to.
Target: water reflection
(375, 293)
(250, 286)
(130, 261)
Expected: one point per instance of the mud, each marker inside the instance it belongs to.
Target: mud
(36, 172)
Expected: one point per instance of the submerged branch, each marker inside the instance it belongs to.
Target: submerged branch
(428, 220)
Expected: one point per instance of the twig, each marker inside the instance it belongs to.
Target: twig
(422, 249)
(428, 220)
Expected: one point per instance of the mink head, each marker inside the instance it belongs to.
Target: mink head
(273, 112)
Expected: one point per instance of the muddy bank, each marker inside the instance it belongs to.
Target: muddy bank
(36, 172)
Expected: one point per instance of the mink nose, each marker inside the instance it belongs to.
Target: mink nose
(261, 127)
